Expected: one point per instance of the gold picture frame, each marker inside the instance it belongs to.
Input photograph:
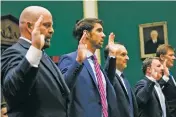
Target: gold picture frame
(151, 36)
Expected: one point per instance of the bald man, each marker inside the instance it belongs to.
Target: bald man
(32, 84)
(152, 44)
(116, 57)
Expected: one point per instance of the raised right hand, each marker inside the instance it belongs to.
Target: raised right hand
(38, 39)
(111, 45)
(82, 49)
(166, 70)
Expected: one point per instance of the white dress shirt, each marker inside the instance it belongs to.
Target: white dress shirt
(33, 55)
(160, 95)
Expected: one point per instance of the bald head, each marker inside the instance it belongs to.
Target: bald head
(119, 48)
(28, 19)
(32, 13)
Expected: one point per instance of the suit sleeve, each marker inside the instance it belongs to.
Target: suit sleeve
(17, 75)
(143, 91)
(70, 68)
(164, 82)
(110, 68)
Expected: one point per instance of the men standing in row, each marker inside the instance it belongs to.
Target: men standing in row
(32, 84)
(166, 52)
(149, 95)
(115, 67)
(93, 94)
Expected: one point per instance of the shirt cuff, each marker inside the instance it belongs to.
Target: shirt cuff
(34, 55)
(165, 78)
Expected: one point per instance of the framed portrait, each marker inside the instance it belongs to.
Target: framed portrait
(151, 36)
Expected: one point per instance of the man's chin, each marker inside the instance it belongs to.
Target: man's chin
(99, 47)
(47, 45)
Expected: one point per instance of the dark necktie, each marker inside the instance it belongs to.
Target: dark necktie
(100, 87)
(129, 94)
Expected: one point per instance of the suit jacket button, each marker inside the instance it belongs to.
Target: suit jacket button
(99, 102)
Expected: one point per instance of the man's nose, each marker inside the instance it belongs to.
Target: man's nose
(51, 30)
(103, 35)
(127, 57)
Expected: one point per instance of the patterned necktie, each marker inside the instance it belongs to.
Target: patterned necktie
(100, 87)
(129, 95)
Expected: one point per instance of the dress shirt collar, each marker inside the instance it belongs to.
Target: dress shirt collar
(26, 39)
(89, 54)
(118, 72)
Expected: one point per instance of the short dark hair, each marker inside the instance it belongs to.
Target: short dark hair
(147, 63)
(84, 24)
(163, 49)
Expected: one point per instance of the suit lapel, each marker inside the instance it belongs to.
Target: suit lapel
(60, 78)
(24, 43)
(45, 62)
(171, 82)
(124, 90)
(89, 69)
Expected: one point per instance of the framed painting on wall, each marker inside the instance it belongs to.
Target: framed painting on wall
(151, 36)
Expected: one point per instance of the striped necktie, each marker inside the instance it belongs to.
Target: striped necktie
(100, 87)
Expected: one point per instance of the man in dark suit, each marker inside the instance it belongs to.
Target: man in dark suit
(152, 44)
(114, 68)
(150, 99)
(32, 84)
(166, 52)
(93, 94)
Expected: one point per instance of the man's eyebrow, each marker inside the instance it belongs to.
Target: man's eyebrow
(99, 29)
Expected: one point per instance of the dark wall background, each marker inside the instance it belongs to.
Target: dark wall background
(122, 18)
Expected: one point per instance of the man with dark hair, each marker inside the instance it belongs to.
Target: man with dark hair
(150, 99)
(93, 94)
(114, 68)
(32, 84)
(166, 52)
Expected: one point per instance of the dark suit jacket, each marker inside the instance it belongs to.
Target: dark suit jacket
(169, 90)
(85, 97)
(151, 47)
(147, 99)
(121, 94)
(30, 91)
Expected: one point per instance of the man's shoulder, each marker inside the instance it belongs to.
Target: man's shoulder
(69, 55)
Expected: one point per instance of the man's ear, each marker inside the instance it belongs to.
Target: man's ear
(29, 27)
(162, 57)
(87, 33)
(149, 69)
